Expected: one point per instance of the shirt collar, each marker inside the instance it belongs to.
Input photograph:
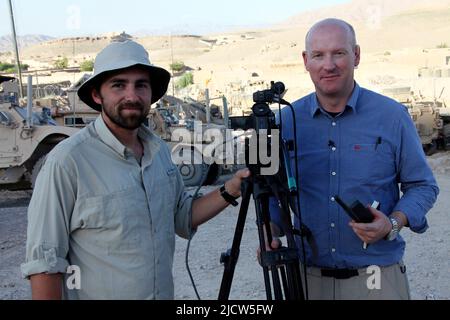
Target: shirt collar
(110, 139)
(152, 142)
(351, 103)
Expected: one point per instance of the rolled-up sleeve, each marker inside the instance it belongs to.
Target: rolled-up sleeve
(183, 209)
(49, 216)
(418, 184)
(183, 218)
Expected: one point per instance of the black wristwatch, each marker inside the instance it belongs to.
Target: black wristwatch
(228, 197)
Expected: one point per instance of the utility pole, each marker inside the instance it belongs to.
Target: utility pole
(173, 71)
(208, 106)
(74, 120)
(14, 38)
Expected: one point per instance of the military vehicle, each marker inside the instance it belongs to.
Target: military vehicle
(433, 124)
(444, 113)
(164, 122)
(26, 137)
(428, 124)
(431, 117)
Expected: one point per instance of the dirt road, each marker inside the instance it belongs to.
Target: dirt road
(427, 255)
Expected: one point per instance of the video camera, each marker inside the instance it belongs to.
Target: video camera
(262, 117)
(262, 143)
(264, 149)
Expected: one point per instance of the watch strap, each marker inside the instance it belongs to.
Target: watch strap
(228, 197)
(392, 235)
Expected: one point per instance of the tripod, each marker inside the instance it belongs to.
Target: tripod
(281, 268)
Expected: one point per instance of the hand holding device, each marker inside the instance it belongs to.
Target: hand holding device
(358, 212)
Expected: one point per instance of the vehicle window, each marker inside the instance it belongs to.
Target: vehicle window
(70, 121)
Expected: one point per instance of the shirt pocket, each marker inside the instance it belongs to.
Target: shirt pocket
(115, 221)
(164, 199)
(366, 163)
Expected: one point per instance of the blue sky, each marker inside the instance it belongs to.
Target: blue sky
(84, 17)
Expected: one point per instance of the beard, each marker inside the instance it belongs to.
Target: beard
(130, 121)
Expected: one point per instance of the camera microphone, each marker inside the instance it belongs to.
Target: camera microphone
(278, 88)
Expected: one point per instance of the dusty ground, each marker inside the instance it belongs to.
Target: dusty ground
(427, 255)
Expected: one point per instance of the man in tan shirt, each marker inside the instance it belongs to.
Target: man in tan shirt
(109, 200)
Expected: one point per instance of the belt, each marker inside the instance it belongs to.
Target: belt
(339, 273)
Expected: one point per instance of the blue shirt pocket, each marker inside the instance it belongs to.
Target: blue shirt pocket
(368, 163)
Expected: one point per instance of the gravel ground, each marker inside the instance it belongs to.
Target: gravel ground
(427, 256)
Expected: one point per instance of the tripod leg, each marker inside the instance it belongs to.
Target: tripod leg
(262, 247)
(263, 218)
(293, 285)
(287, 291)
(293, 268)
(230, 259)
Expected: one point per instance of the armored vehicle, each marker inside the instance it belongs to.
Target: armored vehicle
(431, 117)
(429, 125)
(164, 122)
(26, 137)
(444, 113)
(441, 123)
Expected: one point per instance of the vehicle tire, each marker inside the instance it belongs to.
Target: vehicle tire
(36, 169)
(193, 174)
(193, 171)
(430, 148)
(446, 132)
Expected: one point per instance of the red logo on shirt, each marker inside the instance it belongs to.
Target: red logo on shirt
(357, 147)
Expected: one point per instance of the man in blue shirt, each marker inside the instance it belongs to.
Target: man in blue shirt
(359, 145)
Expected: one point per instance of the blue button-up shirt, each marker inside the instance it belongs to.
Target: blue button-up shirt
(363, 154)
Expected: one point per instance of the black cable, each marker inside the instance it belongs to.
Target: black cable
(194, 197)
(298, 192)
(188, 269)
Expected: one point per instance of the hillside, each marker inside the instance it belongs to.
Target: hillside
(23, 41)
(397, 39)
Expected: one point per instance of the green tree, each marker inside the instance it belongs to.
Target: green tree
(87, 65)
(4, 66)
(62, 63)
(186, 80)
(177, 66)
(11, 68)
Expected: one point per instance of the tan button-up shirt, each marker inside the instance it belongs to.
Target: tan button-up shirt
(96, 207)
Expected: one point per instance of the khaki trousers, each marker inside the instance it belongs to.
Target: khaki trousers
(373, 283)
